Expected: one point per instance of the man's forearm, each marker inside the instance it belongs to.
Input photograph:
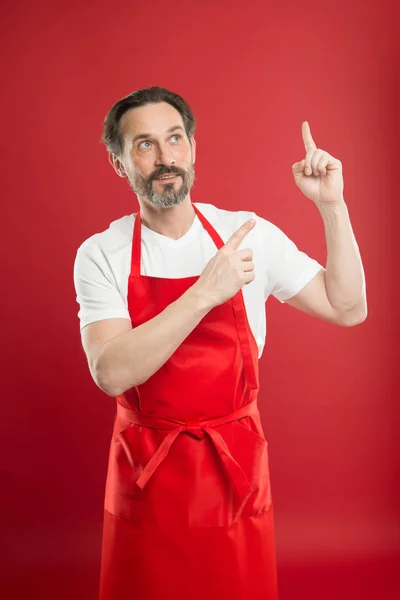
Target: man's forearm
(131, 358)
(344, 276)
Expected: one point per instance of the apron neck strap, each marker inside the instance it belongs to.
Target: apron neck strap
(136, 246)
(239, 309)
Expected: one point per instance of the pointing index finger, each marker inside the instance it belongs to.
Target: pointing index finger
(237, 237)
(309, 143)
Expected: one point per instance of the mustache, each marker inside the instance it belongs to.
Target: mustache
(164, 172)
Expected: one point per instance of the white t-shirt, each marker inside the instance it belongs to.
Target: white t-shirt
(103, 261)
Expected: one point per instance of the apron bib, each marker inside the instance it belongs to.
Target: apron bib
(188, 509)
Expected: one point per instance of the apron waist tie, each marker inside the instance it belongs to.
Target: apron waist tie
(196, 428)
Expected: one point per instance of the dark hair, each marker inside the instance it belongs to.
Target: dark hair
(111, 135)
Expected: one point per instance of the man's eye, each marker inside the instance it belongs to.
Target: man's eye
(147, 142)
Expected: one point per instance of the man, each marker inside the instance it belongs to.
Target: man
(172, 311)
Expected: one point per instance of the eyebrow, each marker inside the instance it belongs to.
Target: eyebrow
(148, 135)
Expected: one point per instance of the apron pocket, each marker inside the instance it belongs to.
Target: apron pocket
(250, 450)
(130, 451)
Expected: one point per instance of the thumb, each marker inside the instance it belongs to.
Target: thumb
(298, 167)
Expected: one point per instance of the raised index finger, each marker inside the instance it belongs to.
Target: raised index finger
(309, 143)
(237, 237)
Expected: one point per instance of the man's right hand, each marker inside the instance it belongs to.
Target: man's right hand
(228, 271)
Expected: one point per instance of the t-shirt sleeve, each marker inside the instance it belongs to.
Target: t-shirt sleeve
(97, 292)
(288, 269)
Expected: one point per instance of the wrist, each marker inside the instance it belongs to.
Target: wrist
(200, 300)
(327, 209)
(334, 203)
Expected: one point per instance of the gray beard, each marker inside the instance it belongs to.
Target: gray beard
(170, 196)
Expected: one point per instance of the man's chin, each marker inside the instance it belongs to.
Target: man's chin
(163, 200)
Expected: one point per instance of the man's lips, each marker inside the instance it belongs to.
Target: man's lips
(172, 177)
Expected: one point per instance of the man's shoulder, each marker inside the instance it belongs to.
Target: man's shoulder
(118, 233)
(229, 221)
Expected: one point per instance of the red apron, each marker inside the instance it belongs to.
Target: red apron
(188, 512)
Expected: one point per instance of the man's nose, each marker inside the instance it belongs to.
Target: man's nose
(164, 156)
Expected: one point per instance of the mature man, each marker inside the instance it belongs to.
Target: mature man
(172, 312)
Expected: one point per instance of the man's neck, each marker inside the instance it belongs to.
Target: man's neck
(173, 222)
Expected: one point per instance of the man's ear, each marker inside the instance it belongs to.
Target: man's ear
(193, 143)
(116, 164)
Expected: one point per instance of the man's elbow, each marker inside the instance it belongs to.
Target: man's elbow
(103, 382)
(100, 372)
(110, 381)
(351, 319)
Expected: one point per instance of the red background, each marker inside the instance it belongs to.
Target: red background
(329, 396)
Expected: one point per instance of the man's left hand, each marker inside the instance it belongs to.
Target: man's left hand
(319, 175)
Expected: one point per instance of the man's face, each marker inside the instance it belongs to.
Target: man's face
(156, 144)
